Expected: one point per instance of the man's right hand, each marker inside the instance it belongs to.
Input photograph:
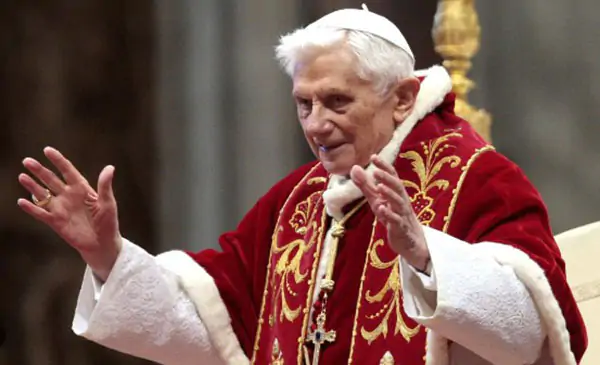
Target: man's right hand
(87, 220)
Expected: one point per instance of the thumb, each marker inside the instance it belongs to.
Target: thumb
(105, 189)
(362, 181)
(357, 174)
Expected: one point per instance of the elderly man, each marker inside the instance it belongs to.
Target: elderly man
(409, 241)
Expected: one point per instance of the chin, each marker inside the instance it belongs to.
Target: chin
(337, 168)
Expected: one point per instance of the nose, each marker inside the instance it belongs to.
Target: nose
(317, 122)
(316, 125)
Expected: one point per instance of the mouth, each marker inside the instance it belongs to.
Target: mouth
(329, 147)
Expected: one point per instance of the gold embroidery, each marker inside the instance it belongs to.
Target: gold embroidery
(360, 290)
(387, 359)
(317, 180)
(311, 285)
(292, 253)
(426, 170)
(393, 305)
(303, 213)
(461, 180)
(288, 265)
(268, 276)
(276, 355)
(320, 335)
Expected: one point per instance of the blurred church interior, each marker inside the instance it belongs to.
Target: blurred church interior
(186, 99)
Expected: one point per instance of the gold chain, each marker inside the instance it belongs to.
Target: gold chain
(321, 335)
(337, 232)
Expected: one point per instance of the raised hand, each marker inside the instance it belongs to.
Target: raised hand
(87, 220)
(391, 205)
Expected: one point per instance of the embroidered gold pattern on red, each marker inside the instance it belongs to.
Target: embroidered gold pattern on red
(284, 269)
(393, 304)
(276, 354)
(288, 273)
(435, 168)
(302, 213)
(427, 167)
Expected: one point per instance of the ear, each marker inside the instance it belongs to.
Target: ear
(406, 94)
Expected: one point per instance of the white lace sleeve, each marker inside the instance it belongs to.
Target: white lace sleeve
(475, 301)
(141, 310)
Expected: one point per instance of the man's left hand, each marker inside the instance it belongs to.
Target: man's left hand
(391, 205)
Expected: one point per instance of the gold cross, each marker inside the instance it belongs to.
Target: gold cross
(276, 355)
(319, 337)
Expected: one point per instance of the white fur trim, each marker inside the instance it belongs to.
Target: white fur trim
(534, 279)
(203, 292)
(434, 88)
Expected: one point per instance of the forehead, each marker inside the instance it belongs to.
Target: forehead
(333, 69)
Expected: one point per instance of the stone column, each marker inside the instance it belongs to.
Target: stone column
(227, 129)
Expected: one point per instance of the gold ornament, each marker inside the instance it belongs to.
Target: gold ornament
(456, 36)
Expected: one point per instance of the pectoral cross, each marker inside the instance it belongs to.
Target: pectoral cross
(319, 337)
(276, 355)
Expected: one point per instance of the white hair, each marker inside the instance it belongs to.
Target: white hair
(379, 61)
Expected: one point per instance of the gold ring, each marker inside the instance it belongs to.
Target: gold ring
(42, 203)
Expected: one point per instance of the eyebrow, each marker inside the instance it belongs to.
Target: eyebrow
(333, 90)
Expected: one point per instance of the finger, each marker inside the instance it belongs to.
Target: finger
(364, 183)
(379, 212)
(66, 168)
(390, 217)
(381, 164)
(367, 186)
(392, 181)
(388, 168)
(105, 189)
(44, 175)
(33, 187)
(36, 212)
(395, 201)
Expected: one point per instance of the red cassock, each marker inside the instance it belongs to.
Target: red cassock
(457, 184)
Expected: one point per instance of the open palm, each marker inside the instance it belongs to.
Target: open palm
(85, 218)
(390, 203)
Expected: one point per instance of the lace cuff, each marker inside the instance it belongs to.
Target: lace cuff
(142, 311)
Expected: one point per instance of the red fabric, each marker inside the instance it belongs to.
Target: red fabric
(239, 269)
(499, 204)
(496, 203)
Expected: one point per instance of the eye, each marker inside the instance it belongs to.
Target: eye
(304, 106)
(338, 101)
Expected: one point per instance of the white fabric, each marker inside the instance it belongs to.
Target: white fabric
(366, 21)
(580, 249)
(428, 280)
(203, 291)
(534, 278)
(141, 310)
(479, 304)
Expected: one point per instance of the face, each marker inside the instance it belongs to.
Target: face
(344, 119)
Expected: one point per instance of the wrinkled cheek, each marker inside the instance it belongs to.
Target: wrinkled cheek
(313, 147)
(361, 153)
